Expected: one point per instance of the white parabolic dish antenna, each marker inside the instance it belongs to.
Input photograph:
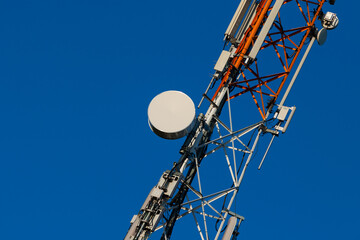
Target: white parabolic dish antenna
(321, 36)
(171, 114)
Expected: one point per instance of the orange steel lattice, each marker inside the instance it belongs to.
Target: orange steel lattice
(263, 86)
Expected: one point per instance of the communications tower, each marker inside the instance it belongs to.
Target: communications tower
(265, 47)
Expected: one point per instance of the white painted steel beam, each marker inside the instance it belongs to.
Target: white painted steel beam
(297, 72)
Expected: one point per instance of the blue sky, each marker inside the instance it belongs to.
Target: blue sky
(77, 157)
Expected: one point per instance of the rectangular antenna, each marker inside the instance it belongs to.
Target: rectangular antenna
(230, 228)
(266, 28)
(237, 18)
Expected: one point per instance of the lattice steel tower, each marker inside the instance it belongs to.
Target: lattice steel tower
(259, 60)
